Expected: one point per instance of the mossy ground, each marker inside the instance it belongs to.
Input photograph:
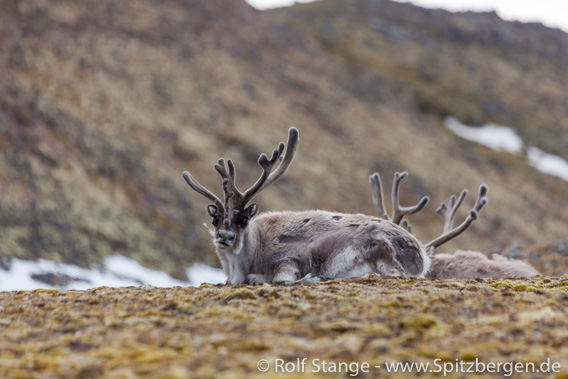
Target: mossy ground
(223, 331)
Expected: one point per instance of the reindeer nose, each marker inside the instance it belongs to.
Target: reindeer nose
(226, 235)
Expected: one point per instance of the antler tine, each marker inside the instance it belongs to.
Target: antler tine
(481, 198)
(378, 197)
(229, 188)
(406, 225)
(271, 173)
(471, 217)
(399, 211)
(200, 189)
(228, 177)
(267, 167)
(449, 212)
(291, 148)
(221, 168)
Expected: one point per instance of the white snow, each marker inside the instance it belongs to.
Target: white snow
(496, 137)
(116, 271)
(547, 163)
(504, 138)
(201, 273)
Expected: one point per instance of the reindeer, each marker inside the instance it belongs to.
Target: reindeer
(285, 247)
(461, 264)
(473, 265)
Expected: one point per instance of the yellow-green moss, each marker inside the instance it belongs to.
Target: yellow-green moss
(222, 331)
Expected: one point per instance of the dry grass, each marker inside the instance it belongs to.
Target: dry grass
(222, 331)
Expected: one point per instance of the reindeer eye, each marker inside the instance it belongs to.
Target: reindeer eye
(244, 221)
(215, 221)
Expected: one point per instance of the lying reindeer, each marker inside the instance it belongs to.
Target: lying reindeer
(283, 247)
(461, 264)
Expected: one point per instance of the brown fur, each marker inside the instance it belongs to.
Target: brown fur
(288, 246)
(284, 247)
(473, 265)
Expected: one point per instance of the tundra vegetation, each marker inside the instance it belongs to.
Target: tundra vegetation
(223, 331)
(184, 80)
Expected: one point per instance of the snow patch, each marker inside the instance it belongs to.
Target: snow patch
(496, 137)
(547, 163)
(503, 138)
(116, 271)
(201, 273)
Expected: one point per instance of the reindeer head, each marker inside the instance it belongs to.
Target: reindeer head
(231, 216)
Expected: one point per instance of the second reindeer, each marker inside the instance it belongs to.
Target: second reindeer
(461, 264)
(283, 247)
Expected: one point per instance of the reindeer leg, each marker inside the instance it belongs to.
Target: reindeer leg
(309, 278)
(256, 279)
(286, 272)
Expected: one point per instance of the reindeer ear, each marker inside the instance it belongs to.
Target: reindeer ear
(252, 210)
(212, 210)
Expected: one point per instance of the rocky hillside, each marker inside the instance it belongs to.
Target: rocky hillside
(473, 66)
(103, 104)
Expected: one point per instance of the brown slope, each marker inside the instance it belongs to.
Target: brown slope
(473, 66)
(105, 104)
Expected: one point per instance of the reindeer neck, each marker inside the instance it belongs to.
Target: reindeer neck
(238, 261)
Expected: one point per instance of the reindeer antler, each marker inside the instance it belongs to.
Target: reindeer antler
(200, 189)
(447, 211)
(398, 210)
(449, 214)
(272, 170)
